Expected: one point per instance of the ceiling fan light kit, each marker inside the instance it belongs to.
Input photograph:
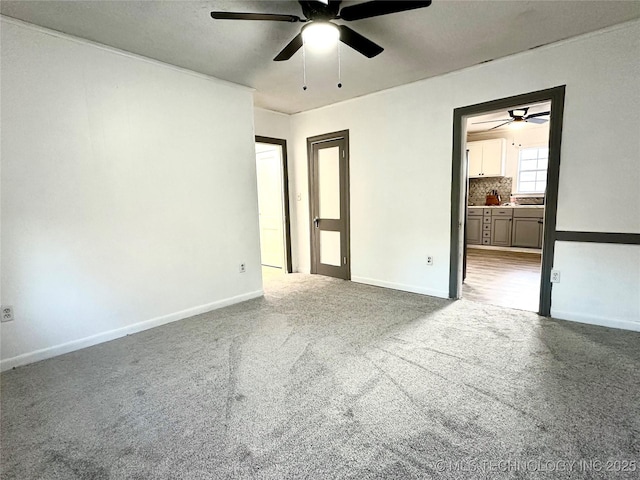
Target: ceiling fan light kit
(320, 34)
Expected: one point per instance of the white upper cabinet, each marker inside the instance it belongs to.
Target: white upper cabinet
(486, 158)
(475, 158)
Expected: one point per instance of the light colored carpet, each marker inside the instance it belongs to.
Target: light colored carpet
(323, 378)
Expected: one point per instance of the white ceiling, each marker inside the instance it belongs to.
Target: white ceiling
(447, 36)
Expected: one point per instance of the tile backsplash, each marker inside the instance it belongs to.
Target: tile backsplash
(479, 187)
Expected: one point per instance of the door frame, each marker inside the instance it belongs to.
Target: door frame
(556, 96)
(311, 141)
(285, 197)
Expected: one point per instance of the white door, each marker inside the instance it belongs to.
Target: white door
(270, 204)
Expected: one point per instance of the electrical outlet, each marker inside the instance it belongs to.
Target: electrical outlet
(429, 260)
(299, 197)
(555, 276)
(243, 268)
(7, 313)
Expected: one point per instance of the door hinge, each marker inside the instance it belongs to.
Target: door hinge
(342, 153)
(344, 260)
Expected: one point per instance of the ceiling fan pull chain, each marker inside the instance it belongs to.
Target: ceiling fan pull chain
(339, 72)
(304, 69)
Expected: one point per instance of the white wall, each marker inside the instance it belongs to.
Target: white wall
(401, 148)
(272, 124)
(128, 195)
(599, 283)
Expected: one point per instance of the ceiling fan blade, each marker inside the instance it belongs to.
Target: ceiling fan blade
(359, 43)
(501, 125)
(491, 121)
(292, 47)
(377, 8)
(255, 16)
(541, 114)
(536, 120)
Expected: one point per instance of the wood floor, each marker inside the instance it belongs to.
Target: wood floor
(509, 279)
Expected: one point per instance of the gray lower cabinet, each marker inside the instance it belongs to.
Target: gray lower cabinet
(527, 232)
(501, 231)
(474, 230)
(527, 227)
(505, 227)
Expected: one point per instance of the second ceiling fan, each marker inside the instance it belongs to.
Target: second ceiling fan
(519, 115)
(321, 13)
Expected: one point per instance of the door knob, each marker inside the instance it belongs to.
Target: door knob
(316, 222)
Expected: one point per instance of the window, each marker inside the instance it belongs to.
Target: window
(532, 170)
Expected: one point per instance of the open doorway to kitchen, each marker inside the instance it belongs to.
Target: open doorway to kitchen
(507, 160)
(504, 197)
(273, 207)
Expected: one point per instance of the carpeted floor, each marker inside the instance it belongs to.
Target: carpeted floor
(326, 379)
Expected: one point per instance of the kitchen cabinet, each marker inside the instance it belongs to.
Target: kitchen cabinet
(486, 226)
(475, 159)
(474, 227)
(501, 231)
(487, 158)
(474, 230)
(505, 226)
(527, 228)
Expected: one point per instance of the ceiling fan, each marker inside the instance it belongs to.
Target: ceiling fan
(320, 13)
(519, 115)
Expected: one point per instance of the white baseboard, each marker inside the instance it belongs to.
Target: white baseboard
(593, 320)
(63, 348)
(400, 286)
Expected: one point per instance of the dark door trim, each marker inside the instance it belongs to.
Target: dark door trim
(556, 96)
(599, 237)
(327, 137)
(285, 188)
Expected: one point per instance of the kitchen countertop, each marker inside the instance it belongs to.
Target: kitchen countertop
(505, 206)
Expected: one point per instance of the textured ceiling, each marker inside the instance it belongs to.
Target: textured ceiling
(447, 36)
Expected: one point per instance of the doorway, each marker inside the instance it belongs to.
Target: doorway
(273, 205)
(328, 157)
(494, 218)
(507, 160)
